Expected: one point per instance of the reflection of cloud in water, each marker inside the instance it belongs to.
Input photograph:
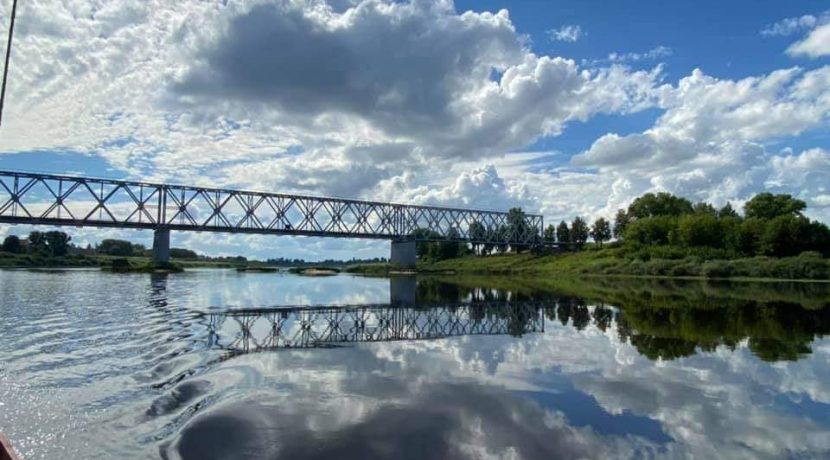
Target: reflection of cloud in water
(714, 404)
(561, 394)
(431, 420)
(224, 289)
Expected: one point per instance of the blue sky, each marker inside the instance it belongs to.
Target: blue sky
(564, 108)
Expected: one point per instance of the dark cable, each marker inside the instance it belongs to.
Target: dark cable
(8, 55)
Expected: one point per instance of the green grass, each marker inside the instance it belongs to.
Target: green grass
(10, 260)
(617, 262)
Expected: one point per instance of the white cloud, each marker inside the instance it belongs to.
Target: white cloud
(656, 53)
(710, 141)
(790, 26)
(566, 33)
(816, 44)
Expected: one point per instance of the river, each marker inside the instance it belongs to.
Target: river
(215, 364)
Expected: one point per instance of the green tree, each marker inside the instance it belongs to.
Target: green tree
(579, 232)
(57, 243)
(601, 231)
(768, 206)
(704, 208)
(424, 247)
(785, 235)
(660, 204)
(37, 242)
(12, 244)
(477, 233)
(653, 231)
(517, 225)
(550, 234)
(727, 211)
(749, 236)
(115, 247)
(563, 233)
(180, 253)
(449, 249)
(621, 221)
(703, 229)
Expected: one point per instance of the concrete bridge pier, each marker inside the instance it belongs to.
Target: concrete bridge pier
(161, 246)
(403, 253)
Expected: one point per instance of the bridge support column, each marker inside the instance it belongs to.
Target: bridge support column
(161, 246)
(403, 254)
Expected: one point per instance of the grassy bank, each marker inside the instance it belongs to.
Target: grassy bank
(615, 262)
(11, 260)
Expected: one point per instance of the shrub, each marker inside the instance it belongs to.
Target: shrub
(717, 269)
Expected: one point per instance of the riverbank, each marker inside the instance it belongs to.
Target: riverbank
(613, 262)
(9, 260)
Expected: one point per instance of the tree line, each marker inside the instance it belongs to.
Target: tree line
(57, 244)
(771, 225)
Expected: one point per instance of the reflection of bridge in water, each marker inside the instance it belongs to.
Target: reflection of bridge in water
(320, 327)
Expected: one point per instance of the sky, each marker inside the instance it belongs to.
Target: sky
(564, 108)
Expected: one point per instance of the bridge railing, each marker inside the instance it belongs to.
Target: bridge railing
(34, 198)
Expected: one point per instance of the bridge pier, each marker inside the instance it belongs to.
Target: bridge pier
(161, 246)
(403, 254)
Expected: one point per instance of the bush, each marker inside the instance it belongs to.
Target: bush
(717, 269)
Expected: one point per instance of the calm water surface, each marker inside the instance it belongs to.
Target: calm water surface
(214, 364)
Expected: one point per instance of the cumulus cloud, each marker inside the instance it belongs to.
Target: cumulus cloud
(816, 44)
(567, 33)
(710, 141)
(437, 89)
(179, 90)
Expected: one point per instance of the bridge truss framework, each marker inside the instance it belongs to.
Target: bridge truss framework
(49, 199)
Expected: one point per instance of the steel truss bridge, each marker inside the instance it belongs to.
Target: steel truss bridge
(246, 331)
(48, 199)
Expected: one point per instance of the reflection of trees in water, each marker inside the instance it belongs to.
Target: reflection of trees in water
(669, 320)
(775, 331)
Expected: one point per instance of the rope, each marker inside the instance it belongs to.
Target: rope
(6, 66)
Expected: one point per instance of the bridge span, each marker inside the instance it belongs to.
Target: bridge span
(50, 199)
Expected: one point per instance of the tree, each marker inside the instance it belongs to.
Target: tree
(661, 204)
(12, 244)
(115, 247)
(425, 249)
(653, 231)
(477, 233)
(449, 249)
(180, 253)
(621, 220)
(768, 206)
(563, 233)
(727, 211)
(785, 235)
(57, 243)
(601, 231)
(696, 230)
(517, 224)
(579, 232)
(704, 208)
(37, 242)
(550, 234)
